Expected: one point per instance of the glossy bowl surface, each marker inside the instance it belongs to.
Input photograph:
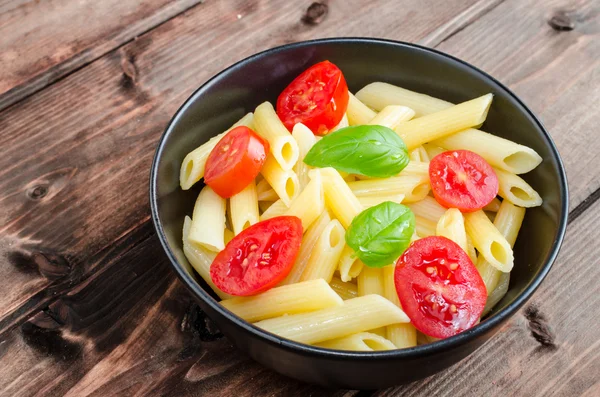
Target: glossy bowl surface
(241, 87)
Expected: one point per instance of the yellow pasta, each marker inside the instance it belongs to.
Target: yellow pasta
(301, 297)
(208, 220)
(514, 189)
(414, 188)
(244, 208)
(310, 203)
(379, 95)
(445, 122)
(346, 290)
(452, 226)
(391, 116)
(424, 227)
(416, 168)
(367, 201)
(311, 235)
(370, 281)
(281, 144)
(357, 112)
(401, 335)
(428, 208)
(493, 206)
(363, 341)
(350, 266)
(338, 196)
(355, 315)
(432, 150)
(490, 243)
(305, 140)
(278, 208)
(326, 253)
(192, 167)
(285, 183)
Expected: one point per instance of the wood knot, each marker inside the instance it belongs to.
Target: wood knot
(130, 71)
(51, 266)
(539, 327)
(315, 13)
(197, 322)
(37, 192)
(561, 21)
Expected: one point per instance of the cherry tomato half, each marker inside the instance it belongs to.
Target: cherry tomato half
(259, 257)
(235, 161)
(462, 179)
(439, 288)
(318, 98)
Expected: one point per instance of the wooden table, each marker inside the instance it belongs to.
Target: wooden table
(89, 304)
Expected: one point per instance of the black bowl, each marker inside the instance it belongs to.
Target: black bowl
(241, 87)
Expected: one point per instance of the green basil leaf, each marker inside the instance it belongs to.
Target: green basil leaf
(370, 150)
(380, 234)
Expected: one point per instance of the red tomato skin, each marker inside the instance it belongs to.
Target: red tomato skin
(318, 106)
(271, 248)
(478, 189)
(235, 161)
(460, 294)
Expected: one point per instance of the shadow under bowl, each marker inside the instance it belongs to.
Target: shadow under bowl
(240, 88)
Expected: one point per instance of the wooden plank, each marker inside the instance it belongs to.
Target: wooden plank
(45, 40)
(551, 347)
(83, 146)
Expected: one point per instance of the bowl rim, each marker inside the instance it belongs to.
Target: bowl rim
(437, 347)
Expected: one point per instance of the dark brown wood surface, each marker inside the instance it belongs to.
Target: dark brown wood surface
(89, 305)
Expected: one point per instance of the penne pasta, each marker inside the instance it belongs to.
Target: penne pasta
(424, 227)
(346, 290)
(490, 243)
(401, 335)
(200, 258)
(392, 115)
(452, 226)
(370, 281)
(363, 341)
(428, 208)
(432, 150)
(354, 316)
(310, 203)
(305, 140)
(282, 145)
(423, 154)
(414, 188)
(368, 202)
(244, 208)
(339, 198)
(278, 208)
(493, 206)
(301, 297)
(379, 95)
(309, 240)
(350, 266)
(499, 152)
(514, 189)
(208, 220)
(415, 155)
(285, 183)
(445, 122)
(267, 195)
(357, 112)
(416, 168)
(471, 249)
(326, 253)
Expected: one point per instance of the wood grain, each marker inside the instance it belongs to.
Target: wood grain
(90, 308)
(45, 40)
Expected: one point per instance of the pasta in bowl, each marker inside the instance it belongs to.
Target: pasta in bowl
(368, 227)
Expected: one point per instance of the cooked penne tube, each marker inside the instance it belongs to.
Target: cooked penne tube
(342, 124)
(368, 202)
(310, 203)
(346, 290)
(508, 222)
(282, 146)
(285, 183)
(192, 167)
(414, 188)
(338, 196)
(428, 208)
(471, 250)
(452, 226)
(379, 95)
(432, 150)
(244, 208)
(305, 140)
(514, 189)
(493, 206)
(445, 122)
(363, 341)
(326, 253)
(200, 258)
(423, 154)
(301, 297)
(499, 152)
(415, 155)
(424, 227)
(357, 112)
(278, 208)
(370, 281)
(416, 168)
(490, 243)
(401, 335)
(354, 316)
(267, 195)
(350, 266)
(392, 115)
(311, 235)
(208, 220)
(497, 294)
